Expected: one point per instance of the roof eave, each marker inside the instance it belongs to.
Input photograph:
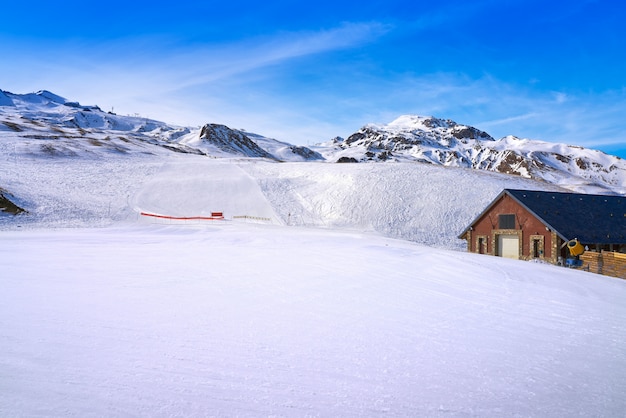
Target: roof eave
(481, 214)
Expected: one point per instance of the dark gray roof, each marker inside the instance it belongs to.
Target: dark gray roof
(593, 219)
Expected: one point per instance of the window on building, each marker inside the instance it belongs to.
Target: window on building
(506, 221)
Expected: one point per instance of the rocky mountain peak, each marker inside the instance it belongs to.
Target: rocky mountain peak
(231, 141)
(47, 95)
(411, 131)
(439, 127)
(445, 142)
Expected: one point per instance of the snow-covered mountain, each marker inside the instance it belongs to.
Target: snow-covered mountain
(50, 125)
(445, 142)
(45, 124)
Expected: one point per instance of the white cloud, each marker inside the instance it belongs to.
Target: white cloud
(176, 83)
(236, 84)
(509, 120)
(560, 97)
(211, 64)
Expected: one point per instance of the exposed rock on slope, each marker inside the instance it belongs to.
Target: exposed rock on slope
(231, 141)
(220, 140)
(6, 205)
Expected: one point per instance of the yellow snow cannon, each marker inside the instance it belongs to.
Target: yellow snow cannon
(575, 247)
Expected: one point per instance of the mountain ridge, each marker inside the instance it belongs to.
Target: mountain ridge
(45, 116)
(51, 125)
(427, 139)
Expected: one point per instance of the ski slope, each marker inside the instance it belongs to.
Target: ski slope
(320, 311)
(198, 187)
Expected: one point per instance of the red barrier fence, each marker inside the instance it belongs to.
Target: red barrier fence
(215, 216)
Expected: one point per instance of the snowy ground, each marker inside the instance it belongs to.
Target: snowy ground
(317, 312)
(250, 320)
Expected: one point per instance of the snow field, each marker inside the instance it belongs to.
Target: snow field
(249, 320)
(320, 314)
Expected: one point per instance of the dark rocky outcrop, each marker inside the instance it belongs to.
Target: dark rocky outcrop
(7, 206)
(232, 141)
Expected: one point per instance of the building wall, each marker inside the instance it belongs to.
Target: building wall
(483, 236)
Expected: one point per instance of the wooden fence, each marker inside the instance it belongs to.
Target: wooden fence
(608, 263)
(254, 218)
(215, 216)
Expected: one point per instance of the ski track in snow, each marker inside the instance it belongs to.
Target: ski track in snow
(317, 313)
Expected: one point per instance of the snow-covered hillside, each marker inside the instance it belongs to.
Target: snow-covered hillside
(49, 125)
(418, 202)
(46, 125)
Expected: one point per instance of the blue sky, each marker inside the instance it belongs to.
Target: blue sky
(304, 72)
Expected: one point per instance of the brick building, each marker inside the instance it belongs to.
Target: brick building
(525, 224)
